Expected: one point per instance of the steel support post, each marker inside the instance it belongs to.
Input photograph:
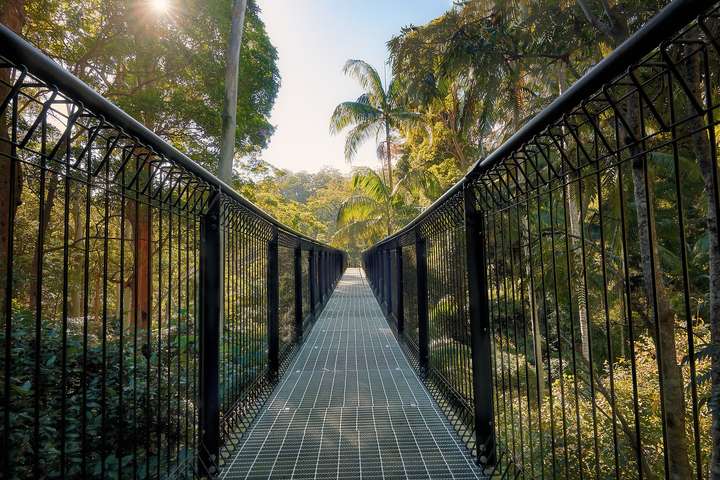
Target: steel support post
(210, 298)
(399, 301)
(388, 281)
(422, 306)
(273, 310)
(298, 294)
(479, 330)
(312, 279)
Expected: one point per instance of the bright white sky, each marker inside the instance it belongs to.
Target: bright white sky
(314, 38)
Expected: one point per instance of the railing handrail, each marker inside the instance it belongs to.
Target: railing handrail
(672, 18)
(23, 53)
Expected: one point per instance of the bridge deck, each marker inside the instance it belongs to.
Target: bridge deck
(350, 406)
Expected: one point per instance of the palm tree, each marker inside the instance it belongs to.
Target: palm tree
(378, 111)
(373, 209)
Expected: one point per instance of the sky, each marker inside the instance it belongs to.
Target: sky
(314, 38)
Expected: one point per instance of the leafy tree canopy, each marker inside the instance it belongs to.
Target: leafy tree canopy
(165, 68)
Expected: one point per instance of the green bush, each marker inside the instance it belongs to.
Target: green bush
(158, 390)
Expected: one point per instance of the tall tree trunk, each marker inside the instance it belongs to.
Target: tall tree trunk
(574, 214)
(140, 218)
(614, 28)
(671, 373)
(138, 211)
(534, 306)
(39, 254)
(229, 117)
(536, 312)
(139, 215)
(459, 154)
(75, 305)
(232, 64)
(12, 14)
(702, 148)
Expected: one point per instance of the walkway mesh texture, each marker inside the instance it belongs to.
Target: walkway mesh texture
(350, 406)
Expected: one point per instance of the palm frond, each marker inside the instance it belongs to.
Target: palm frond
(404, 118)
(366, 231)
(358, 135)
(364, 99)
(356, 208)
(352, 113)
(368, 77)
(367, 181)
(397, 95)
(419, 180)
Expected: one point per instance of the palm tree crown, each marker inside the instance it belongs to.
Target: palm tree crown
(378, 111)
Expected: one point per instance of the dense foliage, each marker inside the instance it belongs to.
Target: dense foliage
(166, 67)
(585, 345)
(106, 363)
(463, 83)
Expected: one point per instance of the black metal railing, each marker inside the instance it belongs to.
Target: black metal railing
(147, 308)
(562, 301)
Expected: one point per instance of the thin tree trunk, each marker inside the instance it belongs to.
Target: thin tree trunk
(97, 304)
(388, 154)
(139, 215)
(38, 256)
(536, 313)
(232, 64)
(49, 201)
(616, 31)
(76, 261)
(533, 307)
(229, 117)
(708, 169)
(671, 373)
(575, 249)
(12, 14)
(459, 152)
(574, 215)
(535, 318)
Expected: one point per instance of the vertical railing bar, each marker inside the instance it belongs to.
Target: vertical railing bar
(312, 281)
(210, 285)
(8, 291)
(399, 301)
(273, 299)
(422, 304)
(298, 294)
(388, 281)
(480, 331)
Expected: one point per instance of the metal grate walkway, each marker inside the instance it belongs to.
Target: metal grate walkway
(351, 406)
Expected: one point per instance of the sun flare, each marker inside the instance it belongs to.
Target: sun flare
(160, 6)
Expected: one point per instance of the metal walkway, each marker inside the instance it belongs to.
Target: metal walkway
(351, 406)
